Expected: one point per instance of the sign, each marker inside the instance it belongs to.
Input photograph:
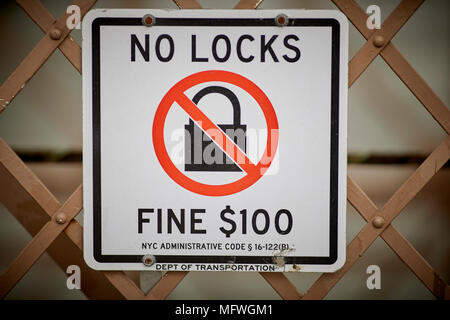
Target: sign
(214, 140)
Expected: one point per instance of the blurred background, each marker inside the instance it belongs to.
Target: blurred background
(389, 134)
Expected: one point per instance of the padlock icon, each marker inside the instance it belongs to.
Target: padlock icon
(198, 141)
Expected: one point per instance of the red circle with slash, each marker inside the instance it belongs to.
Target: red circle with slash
(254, 171)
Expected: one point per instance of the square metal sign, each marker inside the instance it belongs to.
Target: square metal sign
(215, 140)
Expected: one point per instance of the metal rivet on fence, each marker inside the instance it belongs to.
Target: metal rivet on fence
(378, 41)
(60, 218)
(378, 222)
(55, 34)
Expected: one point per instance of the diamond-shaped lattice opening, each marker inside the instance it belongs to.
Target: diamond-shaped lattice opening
(302, 280)
(425, 41)
(50, 106)
(397, 281)
(386, 7)
(13, 238)
(384, 117)
(44, 281)
(61, 178)
(424, 222)
(218, 4)
(56, 8)
(16, 44)
(380, 182)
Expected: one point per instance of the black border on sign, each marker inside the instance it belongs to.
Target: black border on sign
(334, 148)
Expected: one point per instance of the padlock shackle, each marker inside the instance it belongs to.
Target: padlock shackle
(227, 93)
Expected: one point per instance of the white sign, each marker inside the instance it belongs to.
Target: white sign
(215, 140)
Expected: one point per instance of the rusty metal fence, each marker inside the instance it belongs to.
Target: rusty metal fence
(53, 226)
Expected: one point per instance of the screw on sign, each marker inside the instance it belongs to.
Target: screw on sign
(148, 260)
(253, 171)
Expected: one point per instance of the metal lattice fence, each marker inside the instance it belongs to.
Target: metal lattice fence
(53, 226)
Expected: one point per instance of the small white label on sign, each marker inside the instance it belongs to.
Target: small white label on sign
(215, 140)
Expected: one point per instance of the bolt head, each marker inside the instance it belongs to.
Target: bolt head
(55, 34)
(378, 222)
(378, 41)
(148, 20)
(60, 218)
(148, 260)
(281, 20)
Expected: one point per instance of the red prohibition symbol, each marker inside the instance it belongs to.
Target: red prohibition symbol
(253, 171)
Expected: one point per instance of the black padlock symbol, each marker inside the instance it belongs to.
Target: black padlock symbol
(198, 141)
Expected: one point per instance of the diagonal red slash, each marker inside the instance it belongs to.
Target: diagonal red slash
(176, 94)
(221, 139)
